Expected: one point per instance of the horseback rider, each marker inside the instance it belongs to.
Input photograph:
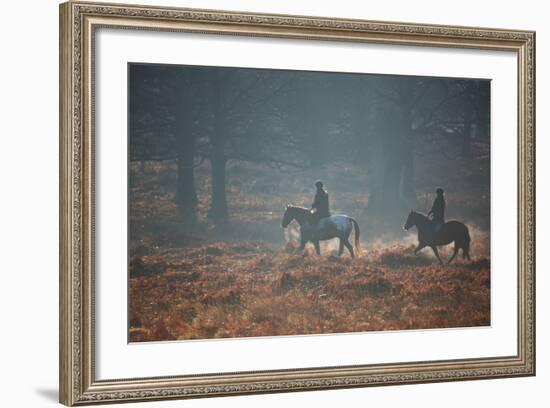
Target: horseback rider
(437, 212)
(320, 206)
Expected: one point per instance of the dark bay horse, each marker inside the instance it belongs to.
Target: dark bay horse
(450, 231)
(335, 226)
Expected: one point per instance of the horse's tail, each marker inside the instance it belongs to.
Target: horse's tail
(466, 248)
(357, 232)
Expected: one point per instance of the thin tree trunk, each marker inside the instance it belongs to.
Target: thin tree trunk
(186, 194)
(397, 189)
(218, 208)
(386, 198)
(467, 133)
(466, 148)
(408, 185)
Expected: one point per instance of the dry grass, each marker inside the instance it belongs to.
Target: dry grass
(244, 278)
(222, 290)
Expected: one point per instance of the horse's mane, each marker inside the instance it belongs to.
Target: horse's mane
(428, 218)
(297, 207)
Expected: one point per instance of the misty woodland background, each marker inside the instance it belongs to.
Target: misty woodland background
(216, 153)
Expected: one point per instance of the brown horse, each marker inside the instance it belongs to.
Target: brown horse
(450, 231)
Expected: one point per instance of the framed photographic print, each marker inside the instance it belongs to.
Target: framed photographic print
(256, 203)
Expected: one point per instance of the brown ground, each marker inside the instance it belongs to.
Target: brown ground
(244, 278)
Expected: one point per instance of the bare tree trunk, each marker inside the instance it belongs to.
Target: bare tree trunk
(186, 194)
(466, 149)
(386, 198)
(218, 208)
(397, 190)
(408, 185)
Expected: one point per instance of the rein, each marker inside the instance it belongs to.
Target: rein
(421, 220)
(300, 214)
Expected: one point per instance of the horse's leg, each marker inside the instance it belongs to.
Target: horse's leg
(436, 252)
(302, 244)
(341, 247)
(454, 254)
(419, 247)
(317, 247)
(349, 247)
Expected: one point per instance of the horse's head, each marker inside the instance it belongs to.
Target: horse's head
(288, 216)
(411, 220)
(293, 212)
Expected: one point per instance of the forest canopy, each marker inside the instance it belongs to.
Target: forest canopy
(292, 120)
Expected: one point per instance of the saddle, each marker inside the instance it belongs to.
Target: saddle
(316, 217)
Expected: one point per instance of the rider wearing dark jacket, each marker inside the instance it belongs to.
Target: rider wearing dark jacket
(320, 206)
(438, 209)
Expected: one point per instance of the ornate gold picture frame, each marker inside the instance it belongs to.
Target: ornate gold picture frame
(79, 22)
